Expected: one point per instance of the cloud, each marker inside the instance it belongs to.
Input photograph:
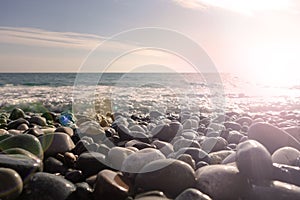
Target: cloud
(240, 6)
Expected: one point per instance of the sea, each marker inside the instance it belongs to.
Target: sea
(89, 93)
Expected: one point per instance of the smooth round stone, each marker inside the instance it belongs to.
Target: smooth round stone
(233, 125)
(34, 131)
(286, 155)
(124, 133)
(74, 176)
(190, 124)
(19, 151)
(66, 130)
(22, 127)
(164, 147)
(220, 182)
(192, 194)
(274, 190)
(243, 120)
(52, 165)
(177, 176)
(272, 137)
(24, 141)
(196, 153)
(117, 155)
(92, 129)
(90, 163)
(213, 144)
(166, 132)
(3, 132)
(15, 132)
(45, 186)
(24, 165)
(38, 120)
(182, 143)
(189, 134)
(11, 184)
(137, 128)
(187, 159)
(54, 143)
(83, 192)
(110, 185)
(216, 127)
(234, 137)
(253, 160)
(219, 156)
(137, 160)
(16, 113)
(15, 123)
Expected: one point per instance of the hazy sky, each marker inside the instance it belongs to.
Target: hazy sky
(257, 38)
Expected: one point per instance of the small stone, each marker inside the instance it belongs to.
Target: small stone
(187, 159)
(90, 163)
(15, 123)
(11, 184)
(192, 194)
(219, 156)
(196, 153)
(137, 160)
(177, 176)
(182, 143)
(74, 176)
(234, 137)
(66, 130)
(253, 160)
(52, 165)
(16, 113)
(272, 137)
(22, 127)
(213, 144)
(152, 195)
(38, 120)
(286, 173)
(110, 185)
(34, 131)
(166, 132)
(244, 120)
(286, 155)
(54, 143)
(220, 182)
(117, 155)
(233, 125)
(45, 186)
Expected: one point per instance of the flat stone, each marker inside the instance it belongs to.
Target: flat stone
(45, 186)
(220, 182)
(272, 137)
(253, 160)
(177, 176)
(11, 184)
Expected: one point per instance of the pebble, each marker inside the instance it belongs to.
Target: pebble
(152, 195)
(220, 182)
(192, 194)
(286, 173)
(187, 159)
(15, 123)
(16, 113)
(286, 155)
(233, 125)
(54, 143)
(90, 163)
(219, 156)
(166, 132)
(164, 147)
(66, 130)
(24, 141)
(234, 137)
(214, 144)
(117, 155)
(177, 176)
(110, 185)
(137, 160)
(196, 153)
(253, 160)
(271, 137)
(45, 186)
(11, 184)
(38, 120)
(182, 143)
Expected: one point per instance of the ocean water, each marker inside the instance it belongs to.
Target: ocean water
(141, 92)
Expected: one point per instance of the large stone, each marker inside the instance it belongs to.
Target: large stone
(27, 142)
(45, 186)
(24, 165)
(253, 160)
(286, 173)
(286, 155)
(167, 175)
(54, 143)
(11, 184)
(136, 161)
(220, 182)
(272, 137)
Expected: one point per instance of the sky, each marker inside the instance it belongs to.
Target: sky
(259, 39)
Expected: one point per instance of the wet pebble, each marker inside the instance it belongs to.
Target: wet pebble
(11, 184)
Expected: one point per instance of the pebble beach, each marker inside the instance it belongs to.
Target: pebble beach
(142, 143)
